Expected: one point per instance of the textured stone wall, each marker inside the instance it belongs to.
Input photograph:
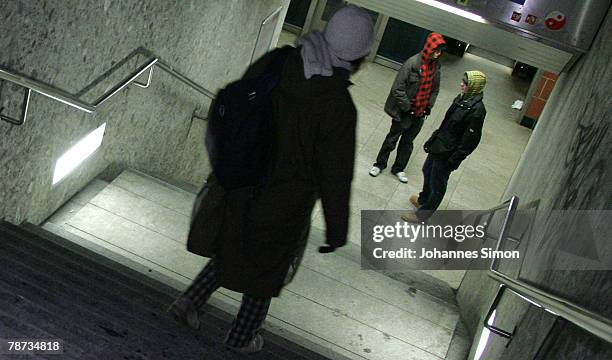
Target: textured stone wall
(71, 44)
(566, 165)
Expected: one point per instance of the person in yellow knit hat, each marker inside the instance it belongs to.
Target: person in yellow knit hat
(456, 138)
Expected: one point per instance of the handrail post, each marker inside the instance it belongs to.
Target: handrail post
(24, 110)
(102, 99)
(512, 205)
(185, 79)
(146, 85)
(492, 308)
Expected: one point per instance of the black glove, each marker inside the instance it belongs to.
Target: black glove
(427, 144)
(427, 111)
(324, 249)
(453, 165)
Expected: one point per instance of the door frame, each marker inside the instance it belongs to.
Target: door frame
(307, 22)
(379, 31)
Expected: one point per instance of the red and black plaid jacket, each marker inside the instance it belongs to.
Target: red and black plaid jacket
(428, 68)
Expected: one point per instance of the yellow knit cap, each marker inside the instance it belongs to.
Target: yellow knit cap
(476, 81)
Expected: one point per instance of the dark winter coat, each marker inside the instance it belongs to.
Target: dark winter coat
(406, 85)
(460, 131)
(257, 241)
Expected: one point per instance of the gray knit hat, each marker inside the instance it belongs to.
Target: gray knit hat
(350, 33)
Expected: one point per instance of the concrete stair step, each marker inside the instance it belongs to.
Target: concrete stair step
(127, 313)
(106, 330)
(104, 266)
(53, 322)
(138, 322)
(58, 289)
(71, 351)
(69, 262)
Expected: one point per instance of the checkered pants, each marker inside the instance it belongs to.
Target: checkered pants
(252, 311)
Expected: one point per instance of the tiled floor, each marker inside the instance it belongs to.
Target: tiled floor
(481, 179)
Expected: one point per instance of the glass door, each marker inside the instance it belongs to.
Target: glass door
(400, 40)
(297, 15)
(325, 9)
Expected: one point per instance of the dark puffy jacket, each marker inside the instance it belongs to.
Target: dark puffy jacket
(460, 131)
(257, 243)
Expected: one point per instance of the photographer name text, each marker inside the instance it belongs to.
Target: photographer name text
(406, 253)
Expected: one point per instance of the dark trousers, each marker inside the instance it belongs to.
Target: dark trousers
(404, 130)
(252, 311)
(436, 172)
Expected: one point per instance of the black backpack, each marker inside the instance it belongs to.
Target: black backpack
(240, 136)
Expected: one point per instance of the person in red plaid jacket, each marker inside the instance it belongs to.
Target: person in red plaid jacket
(410, 100)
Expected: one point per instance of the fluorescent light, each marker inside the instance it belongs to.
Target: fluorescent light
(484, 338)
(454, 10)
(78, 153)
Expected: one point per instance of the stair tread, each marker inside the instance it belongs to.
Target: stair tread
(75, 308)
(50, 280)
(52, 322)
(104, 265)
(68, 262)
(116, 307)
(34, 332)
(103, 333)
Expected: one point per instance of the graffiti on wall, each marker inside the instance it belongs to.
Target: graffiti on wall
(586, 164)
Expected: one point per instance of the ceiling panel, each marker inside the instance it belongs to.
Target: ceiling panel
(473, 30)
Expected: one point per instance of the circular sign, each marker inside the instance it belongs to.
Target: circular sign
(555, 20)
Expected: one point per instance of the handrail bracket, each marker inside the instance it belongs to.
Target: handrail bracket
(24, 110)
(146, 85)
(495, 330)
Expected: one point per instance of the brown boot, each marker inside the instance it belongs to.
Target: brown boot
(411, 217)
(414, 199)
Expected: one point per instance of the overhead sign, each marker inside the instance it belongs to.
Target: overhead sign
(555, 20)
(568, 25)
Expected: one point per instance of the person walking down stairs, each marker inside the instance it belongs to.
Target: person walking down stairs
(256, 239)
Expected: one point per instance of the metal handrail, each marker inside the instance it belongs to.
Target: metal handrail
(72, 100)
(592, 322)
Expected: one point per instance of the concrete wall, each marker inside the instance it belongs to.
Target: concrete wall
(566, 165)
(70, 44)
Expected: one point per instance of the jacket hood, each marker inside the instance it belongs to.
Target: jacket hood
(475, 81)
(431, 43)
(294, 83)
(317, 56)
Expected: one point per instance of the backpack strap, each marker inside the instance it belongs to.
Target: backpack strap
(268, 62)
